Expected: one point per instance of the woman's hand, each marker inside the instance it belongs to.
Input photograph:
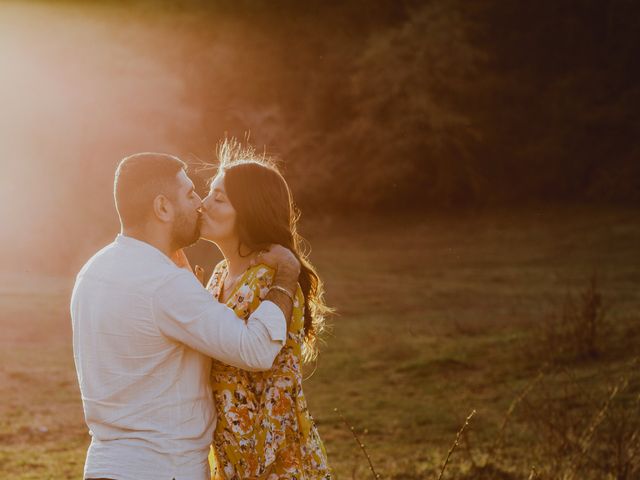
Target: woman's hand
(198, 271)
(181, 260)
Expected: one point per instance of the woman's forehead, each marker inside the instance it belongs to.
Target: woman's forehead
(218, 183)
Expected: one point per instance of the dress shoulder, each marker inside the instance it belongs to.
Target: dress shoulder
(261, 278)
(221, 265)
(262, 271)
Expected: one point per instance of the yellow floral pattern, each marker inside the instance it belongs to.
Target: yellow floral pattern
(264, 429)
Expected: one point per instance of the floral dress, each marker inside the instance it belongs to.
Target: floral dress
(264, 428)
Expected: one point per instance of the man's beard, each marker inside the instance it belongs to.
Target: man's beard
(186, 231)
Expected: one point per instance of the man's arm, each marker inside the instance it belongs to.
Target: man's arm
(186, 312)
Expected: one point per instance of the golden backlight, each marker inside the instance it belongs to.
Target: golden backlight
(80, 87)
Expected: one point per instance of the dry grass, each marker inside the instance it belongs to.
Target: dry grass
(436, 316)
(578, 330)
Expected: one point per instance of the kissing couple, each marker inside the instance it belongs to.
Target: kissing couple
(185, 382)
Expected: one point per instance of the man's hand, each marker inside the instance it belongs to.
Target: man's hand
(287, 267)
(284, 262)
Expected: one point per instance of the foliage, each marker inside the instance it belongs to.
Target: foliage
(395, 364)
(379, 107)
(578, 330)
(436, 103)
(586, 434)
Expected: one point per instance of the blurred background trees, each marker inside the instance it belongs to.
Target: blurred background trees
(442, 102)
(371, 106)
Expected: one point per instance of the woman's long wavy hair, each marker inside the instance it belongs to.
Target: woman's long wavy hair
(265, 215)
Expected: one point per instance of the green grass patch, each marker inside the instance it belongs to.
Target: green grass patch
(436, 317)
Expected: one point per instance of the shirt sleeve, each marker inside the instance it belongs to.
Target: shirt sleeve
(186, 312)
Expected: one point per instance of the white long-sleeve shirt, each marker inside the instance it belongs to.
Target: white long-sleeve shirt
(144, 332)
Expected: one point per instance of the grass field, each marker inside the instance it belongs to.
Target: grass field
(437, 317)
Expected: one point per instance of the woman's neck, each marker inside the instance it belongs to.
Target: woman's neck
(237, 264)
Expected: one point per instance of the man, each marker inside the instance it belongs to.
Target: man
(144, 332)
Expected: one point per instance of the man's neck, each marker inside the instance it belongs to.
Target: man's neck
(152, 238)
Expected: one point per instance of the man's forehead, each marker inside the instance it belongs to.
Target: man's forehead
(184, 181)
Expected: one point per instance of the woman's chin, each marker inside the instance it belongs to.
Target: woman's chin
(204, 235)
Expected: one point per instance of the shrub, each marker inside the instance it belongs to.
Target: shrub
(578, 330)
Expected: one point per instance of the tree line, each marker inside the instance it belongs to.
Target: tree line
(413, 104)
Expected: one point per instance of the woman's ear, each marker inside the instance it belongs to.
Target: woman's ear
(163, 208)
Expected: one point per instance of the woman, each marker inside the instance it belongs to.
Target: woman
(264, 429)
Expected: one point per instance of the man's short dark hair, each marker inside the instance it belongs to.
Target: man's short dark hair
(139, 179)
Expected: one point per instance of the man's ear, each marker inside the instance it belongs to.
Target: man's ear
(163, 208)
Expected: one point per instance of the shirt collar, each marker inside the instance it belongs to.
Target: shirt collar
(127, 241)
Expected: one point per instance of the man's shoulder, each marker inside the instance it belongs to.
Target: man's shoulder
(134, 267)
(180, 291)
(178, 279)
(96, 257)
